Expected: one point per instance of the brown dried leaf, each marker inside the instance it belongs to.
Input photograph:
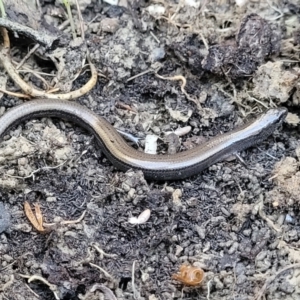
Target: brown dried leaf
(36, 221)
(38, 214)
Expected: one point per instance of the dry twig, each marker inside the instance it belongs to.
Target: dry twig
(69, 222)
(52, 287)
(182, 87)
(103, 271)
(102, 253)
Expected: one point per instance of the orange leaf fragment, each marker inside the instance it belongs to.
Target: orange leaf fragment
(189, 275)
(35, 219)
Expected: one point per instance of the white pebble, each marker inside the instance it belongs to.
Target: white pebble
(112, 2)
(156, 10)
(182, 131)
(151, 144)
(240, 3)
(142, 218)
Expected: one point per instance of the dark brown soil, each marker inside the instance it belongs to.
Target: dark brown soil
(237, 221)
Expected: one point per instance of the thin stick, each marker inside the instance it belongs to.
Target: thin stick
(27, 56)
(52, 287)
(18, 95)
(102, 270)
(36, 295)
(182, 87)
(80, 20)
(135, 292)
(102, 253)
(138, 75)
(67, 222)
(37, 170)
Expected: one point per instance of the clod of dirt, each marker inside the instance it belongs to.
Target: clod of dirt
(173, 143)
(134, 184)
(178, 115)
(191, 52)
(296, 96)
(22, 152)
(271, 80)
(292, 119)
(287, 179)
(255, 40)
(110, 25)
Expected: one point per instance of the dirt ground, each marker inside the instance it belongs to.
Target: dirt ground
(162, 65)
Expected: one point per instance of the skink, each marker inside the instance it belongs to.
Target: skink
(155, 167)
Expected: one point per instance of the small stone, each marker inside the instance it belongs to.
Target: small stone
(51, 199)
(4, 218)
(23, 227)
(10, 172)
(233, 248)
(145, 276)
(218, 284)
(179, 249)
(201, 231)
(176, 197)
(125, 187)
(7, 258)
(131, 193)
(169, 189)
(157, 54)
(110, 25)
(152, 297)
(262, 255)
(22, 161)
(206, 247)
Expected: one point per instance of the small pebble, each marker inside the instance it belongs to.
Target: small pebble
(157, 54)
(131, 193)
(142, 218)
(4, 218)
(289, 219)
(110, 25)
(183, 130)
(151, 144)
(177, 194)
(233, 248)
(51, 199)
